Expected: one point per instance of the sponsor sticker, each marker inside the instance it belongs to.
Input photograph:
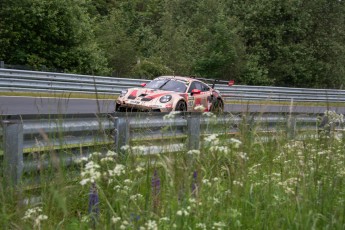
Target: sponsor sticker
(134, 102)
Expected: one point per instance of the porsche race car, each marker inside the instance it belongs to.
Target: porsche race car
(171, 93)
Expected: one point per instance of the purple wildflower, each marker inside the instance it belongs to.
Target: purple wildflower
(93, 203)
(156, 186)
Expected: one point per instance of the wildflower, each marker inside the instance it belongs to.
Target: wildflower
(95, 154)
(115, 219)
(171, 115)
(80, 160)
(239, 183)
(212, 139)
(243, 156)
(199, 108)
(125, 148)
(105, 159)
(111, 153)
(206, 182)
(201, 226)
(134, 218)
(216, 179)
(219, 225)
(139, 169)
(127, 181)
(93, 203)
(235, 142)
(182, 212)
(220, 149)
(164, 219)
(151, 224)
(90, 173)
(193, 152)
(35, 214)
(138, 149)
(209, 114)
(195, 183)
(135, 197)
(117, 171)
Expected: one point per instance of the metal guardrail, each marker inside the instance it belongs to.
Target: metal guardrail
(30, 143)
(35, 81)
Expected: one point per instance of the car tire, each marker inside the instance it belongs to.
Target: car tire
(217, 106)
(181, 106)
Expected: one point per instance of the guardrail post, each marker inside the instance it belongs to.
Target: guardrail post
(193, 132)
(291, 127)
(121, 132)
(13, 151)
(2, 64)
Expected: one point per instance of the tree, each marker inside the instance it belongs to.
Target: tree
(53, 33)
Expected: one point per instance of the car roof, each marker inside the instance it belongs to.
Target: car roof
(189, 79)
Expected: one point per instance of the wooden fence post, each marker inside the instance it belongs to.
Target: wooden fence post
(13, 138)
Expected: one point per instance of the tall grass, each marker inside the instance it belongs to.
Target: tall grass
(232, 182)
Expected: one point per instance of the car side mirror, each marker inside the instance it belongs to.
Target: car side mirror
(143, 84)
(196, 91)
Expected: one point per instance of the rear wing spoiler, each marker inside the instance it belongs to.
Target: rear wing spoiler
(214, 81)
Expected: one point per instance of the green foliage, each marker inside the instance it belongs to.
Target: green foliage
(254, 181)
(54, 34)
(262, 42)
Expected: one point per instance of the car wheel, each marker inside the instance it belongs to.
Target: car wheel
(181, 106)
(217, 106)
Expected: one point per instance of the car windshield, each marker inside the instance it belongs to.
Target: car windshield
(167, 84)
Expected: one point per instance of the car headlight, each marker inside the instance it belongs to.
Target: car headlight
(123, 93)
(165, 98)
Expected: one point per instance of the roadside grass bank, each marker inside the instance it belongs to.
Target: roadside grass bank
(236, 181)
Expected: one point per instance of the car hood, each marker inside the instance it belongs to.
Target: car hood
(148, 93)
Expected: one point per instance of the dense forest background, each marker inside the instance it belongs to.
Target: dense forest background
(298, 43)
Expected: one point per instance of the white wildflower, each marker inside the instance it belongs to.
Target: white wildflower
(90, 173)
(95, 154)
(235, 142)
(151, 224)
(107, 159)
(243, 156)
(115, 219)
(193, 152)
(111, 153)
(212, 139)
(220, 149)
(182, 212)
(239, 183)
(125, 148)
(219, 225)
(117, 171)
(164, 219)
(139, 169)
(199, 108)
(171, 115)
(209, 114)
(136, 197)
(206, 182)
(201, 226)
(80, 160)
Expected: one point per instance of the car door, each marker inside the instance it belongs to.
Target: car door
(197, 95)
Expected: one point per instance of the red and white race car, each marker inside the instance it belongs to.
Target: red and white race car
(172, 93)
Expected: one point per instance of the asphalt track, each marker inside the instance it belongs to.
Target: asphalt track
(32, 105)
